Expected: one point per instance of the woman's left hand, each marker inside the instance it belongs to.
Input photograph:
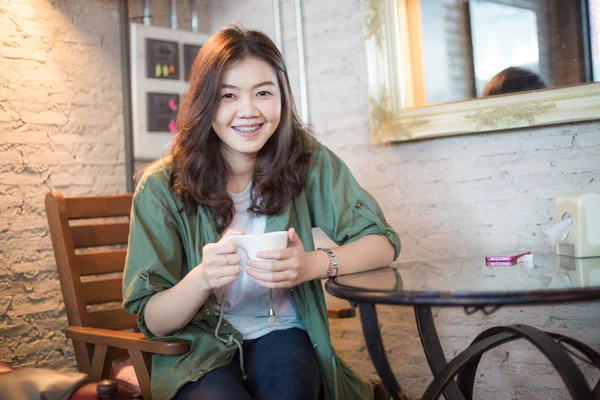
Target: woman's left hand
(281, 268)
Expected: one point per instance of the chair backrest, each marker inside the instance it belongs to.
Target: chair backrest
(89, 237)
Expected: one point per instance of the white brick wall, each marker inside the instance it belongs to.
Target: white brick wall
(60, 129)
(441, 195)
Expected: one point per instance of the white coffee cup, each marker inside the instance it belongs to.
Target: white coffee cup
(253, 244)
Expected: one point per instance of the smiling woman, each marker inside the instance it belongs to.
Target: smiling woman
(428, 60)
(241, 165)
(249, 112)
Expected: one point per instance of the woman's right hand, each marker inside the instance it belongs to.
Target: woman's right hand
(172, 309)
(220, 262)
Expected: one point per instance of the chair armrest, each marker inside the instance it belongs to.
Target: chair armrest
(128, 340)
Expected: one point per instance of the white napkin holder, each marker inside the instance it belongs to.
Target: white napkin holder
(583, 239)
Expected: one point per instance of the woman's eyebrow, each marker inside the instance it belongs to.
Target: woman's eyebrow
(226, 86)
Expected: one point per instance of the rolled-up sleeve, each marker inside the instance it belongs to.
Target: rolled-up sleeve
(154, 255)
(340, 206)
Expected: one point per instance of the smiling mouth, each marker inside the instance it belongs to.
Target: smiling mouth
(247, 130)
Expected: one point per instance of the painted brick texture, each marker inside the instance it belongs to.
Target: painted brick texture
(61, 128)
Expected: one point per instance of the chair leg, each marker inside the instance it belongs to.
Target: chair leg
(142, 365)
(82, 356)
(101, 362)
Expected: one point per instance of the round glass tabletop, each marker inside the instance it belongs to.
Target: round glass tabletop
(547, 278)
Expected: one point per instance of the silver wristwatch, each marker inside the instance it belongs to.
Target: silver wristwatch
(332, 271)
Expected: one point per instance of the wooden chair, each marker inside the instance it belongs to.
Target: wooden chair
(99, 333)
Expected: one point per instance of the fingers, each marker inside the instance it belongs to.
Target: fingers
(220, 262)
(277, 254)
(221, 248)
(275, 285)
(273, 266)
(223, 281)
(293, 238)
(272, 276)
(224, 271)
(221, 259)
(222, 253)
(217, 276)
(230, 259)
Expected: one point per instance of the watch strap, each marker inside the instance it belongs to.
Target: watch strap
(332, 271)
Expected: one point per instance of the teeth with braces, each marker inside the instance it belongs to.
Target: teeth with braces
(247, 129)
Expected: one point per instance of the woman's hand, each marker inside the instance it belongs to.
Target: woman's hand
(220, 262)
(282, 268)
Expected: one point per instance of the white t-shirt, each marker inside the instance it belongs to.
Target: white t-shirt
(246, 303)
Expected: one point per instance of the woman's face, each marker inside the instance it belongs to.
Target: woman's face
(249, 108)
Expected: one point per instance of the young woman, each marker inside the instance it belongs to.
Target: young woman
(242, 163)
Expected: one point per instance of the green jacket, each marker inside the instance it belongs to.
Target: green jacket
(166, 243)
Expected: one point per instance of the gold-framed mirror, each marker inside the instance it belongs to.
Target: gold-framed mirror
(452, 67)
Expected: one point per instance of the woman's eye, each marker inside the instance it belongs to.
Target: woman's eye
(227, 96)
(263, 93)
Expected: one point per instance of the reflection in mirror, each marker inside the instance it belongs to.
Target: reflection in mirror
(467, 43)
(452, 67)
(583, 272)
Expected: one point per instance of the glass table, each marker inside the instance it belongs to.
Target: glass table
(467, 282)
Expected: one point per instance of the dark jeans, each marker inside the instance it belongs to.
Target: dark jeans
(281, 365)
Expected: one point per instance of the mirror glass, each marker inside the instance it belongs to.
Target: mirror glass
(465, 49)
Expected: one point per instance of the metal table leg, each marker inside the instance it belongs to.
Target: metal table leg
(584, 349)
(374, 343)
(433, 349)
(466, 376)
(466, 362)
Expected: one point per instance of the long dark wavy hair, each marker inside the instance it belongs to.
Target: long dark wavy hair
(200, 173)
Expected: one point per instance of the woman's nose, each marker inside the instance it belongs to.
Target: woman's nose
(247, 108)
